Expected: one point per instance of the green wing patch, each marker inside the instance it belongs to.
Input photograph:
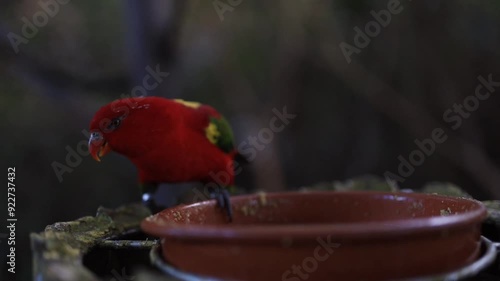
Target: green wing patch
(219, 133)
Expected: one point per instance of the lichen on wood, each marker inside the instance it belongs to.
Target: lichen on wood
(493, 218)
(366, 182)
(445, 188)
(58, 251)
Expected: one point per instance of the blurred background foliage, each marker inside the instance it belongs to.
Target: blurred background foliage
(353, 118)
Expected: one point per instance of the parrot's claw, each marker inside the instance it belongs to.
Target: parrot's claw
(227, 204)
(221, 196)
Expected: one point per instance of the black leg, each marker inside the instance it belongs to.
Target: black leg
(221, 196)
(227, 204)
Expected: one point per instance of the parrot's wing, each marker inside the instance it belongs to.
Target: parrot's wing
(219, 133)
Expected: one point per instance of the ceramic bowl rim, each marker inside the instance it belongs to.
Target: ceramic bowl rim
(350, 231)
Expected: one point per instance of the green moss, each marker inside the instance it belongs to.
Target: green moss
(63, 244)
(445, 188)
(367, 182)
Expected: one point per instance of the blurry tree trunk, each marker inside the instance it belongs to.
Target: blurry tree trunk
(152, 39)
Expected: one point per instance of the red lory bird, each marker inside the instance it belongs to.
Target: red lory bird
(169, 141)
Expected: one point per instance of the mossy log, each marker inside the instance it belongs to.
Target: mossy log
(58, 251)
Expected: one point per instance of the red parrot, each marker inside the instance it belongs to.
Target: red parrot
(169, 141)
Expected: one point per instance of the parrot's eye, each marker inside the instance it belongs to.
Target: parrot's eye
(115, 123)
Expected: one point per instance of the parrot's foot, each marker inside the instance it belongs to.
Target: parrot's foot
(221, 195)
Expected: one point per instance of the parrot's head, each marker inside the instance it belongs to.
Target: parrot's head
(119, 126)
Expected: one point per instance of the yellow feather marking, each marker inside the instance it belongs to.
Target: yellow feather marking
(212, 133)
(191, 104)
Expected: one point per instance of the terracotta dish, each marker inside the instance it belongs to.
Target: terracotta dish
(344, 236)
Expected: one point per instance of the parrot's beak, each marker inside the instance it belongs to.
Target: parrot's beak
(98, 146)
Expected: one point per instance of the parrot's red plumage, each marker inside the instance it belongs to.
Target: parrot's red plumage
(169, 141)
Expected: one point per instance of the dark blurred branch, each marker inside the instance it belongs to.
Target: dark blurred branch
(137, 38)
(415, 119)
(152, 37)
(29, 67)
